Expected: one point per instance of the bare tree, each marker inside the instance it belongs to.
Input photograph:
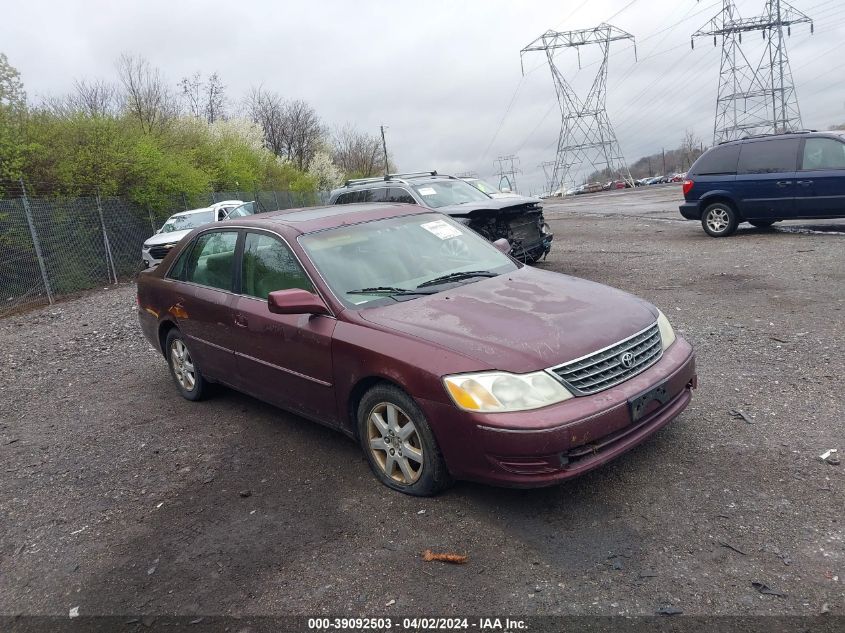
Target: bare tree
(292, 129)
(191, 91)
(267, 110)
(145, 93)
(215, 99)
(204, 99)
(690, 148)
(303, 132)
(95, 98)
(357, 153)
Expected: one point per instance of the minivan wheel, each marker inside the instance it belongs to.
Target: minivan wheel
(719, 220)
(761, 224)
(183, 368)
(399, 444)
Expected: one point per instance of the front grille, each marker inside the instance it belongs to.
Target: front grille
(159, 252)
(605, 368)
(525, 230)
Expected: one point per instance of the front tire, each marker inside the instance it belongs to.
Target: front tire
(183, 368)
(719, 220)
(399, 444)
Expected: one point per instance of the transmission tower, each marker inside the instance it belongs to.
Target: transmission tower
(549, 173)
(754, 98)
(508, 168)
(586, 136)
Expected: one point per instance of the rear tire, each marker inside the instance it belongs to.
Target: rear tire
(719, 220)
(184, 369)
(399, 444)
(761, 224)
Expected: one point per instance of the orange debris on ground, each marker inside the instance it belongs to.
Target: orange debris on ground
(455, 559)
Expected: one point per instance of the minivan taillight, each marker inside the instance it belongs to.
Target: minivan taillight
(687, 186)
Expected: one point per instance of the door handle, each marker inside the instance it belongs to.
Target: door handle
(783, 183)
(805, 183)
(240, 320)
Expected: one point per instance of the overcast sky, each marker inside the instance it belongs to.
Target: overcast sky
(442, 75)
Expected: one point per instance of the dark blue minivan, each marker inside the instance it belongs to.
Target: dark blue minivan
(764, 179)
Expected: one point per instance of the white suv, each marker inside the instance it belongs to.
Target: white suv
(179, 225)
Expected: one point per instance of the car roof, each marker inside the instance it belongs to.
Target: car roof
(796, 133)
(392, 180)
(312, 219)
(191, 212)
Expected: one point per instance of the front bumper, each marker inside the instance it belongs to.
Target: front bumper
(534, 251)
(690, 210)
(548, 445)
(148, 260)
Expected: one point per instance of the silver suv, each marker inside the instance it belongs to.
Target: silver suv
(517, 219)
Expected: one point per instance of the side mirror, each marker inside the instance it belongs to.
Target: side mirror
(503, 245)
(295, 301)
(157, 232)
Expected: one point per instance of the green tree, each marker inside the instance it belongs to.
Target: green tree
(12, 111)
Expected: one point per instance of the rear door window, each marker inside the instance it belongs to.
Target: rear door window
(378, 195)
(719, 160)
(396, 194)
(768, 157)
(823, 153)
(211, 261)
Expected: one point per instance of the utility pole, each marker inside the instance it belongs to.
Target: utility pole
(663, 150)
(586, 138)
(754, 99)
(384, 148)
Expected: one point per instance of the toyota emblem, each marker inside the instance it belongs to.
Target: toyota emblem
(627, 360)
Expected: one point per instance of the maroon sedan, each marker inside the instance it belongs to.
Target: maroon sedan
(404, 329)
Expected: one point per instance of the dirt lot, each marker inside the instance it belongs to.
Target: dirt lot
(119, 497)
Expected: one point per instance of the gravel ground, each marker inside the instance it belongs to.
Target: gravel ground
(119, 497)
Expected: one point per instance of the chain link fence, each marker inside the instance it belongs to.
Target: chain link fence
(53, 247)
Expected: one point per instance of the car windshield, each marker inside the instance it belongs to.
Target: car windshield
(486, 187)
(241, 211)
(400, 259)
(190, 221)
(441, 193)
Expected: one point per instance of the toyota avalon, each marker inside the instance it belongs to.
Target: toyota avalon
(404, 329)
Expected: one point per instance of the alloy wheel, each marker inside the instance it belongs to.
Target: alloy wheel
(395, 443)
(718, 220)
(183, 365)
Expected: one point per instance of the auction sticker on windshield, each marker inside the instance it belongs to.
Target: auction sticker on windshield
(427, 191)
(441, 229)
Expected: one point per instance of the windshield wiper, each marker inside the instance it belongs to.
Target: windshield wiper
(457, 276)
(388, 290)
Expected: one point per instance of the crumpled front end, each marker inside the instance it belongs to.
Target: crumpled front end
(520, 221)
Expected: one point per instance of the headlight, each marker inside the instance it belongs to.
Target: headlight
(667, 334)
(498, 391)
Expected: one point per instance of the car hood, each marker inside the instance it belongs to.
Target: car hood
(517, 204)
(166, 238)
(523, 321)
